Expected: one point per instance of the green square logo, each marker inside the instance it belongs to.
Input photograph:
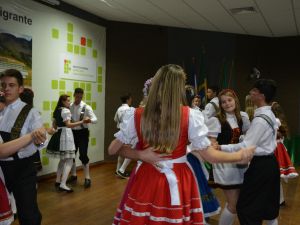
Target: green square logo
(70, 37)
(70, 47)
(62, 85)
(89, 43)
(88, 96)
(93, 141)
(54, 84)
(95, 53)
(76, 49)
(55, 33)
(70, 27)
(94, 105)
(99, 79)
(82, 51)
(99, 88)
(46, 105)
(99, 70)
(88, 87)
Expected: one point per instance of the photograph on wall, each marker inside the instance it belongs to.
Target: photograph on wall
(16, 53)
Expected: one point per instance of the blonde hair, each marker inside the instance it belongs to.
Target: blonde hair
(162, 115)
(237, 111)
(279, 113)
(249, 107)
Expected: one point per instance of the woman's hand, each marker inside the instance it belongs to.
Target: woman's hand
(247, 154)
(39, 136)
(87, 120)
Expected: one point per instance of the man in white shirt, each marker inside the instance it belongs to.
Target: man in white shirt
(79, 111)
(19, 169)
(212, 107)
(259, 196)
(122, 164)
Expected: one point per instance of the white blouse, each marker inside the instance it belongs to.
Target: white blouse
(197, 130)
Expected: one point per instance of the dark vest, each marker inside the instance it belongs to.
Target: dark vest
(226, 135)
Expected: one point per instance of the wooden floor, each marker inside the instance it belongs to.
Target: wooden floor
(96, 206)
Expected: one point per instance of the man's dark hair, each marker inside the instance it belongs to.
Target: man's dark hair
(13, 73)
(267, 87)
(27, 96)
(78, 91)
(125, 97)
(214, 88)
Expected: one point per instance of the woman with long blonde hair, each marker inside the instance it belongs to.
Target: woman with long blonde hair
(164, 190)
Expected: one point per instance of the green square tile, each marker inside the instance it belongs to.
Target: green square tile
(99, 69)
(88, 96)
(61, 93)
(82, 50)
(70, 27)
(62, 85)
(76, 49)
(99, 88)
(88, 103)
(89, 43)
(88, 87)
(93, 141)
(94, 105)
(99, 79)
(45, 160)
(75, 85)
(46, 105)
(95, 53)
(70, 93)
(43, 151)
(47, 125)
(55, 33)
(54, 84)
(70, 37)
(53, 105)
(82, 85)
(69, 47)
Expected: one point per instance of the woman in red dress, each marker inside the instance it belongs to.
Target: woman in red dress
(164, 190)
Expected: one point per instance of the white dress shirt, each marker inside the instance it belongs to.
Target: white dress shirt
(33, 121)
(209, 109)
(120, 114)
(76, 111)
(260, 134)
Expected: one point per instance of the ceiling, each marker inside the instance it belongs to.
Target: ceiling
(273, 18)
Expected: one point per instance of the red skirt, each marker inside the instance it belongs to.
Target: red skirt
(287, 170)
(5, 210)
(149, 199)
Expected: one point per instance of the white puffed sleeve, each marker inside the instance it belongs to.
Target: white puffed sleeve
(66, 114)
(197, 131)
(214, 127)
(246, 122)
(127, 133)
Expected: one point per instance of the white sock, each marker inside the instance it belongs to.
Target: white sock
(124, 165)
(67, 169)
(120, 160)
(86, 170)
(60, 168)
(73, 170)
(226, 218)
(12, 203)
(272, 222)
(281, 199)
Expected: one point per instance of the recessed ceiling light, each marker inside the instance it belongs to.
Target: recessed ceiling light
(243, 10)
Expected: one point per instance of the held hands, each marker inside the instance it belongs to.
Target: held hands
(247, 154)
(86, 120)
(150, 156)
(39, 136)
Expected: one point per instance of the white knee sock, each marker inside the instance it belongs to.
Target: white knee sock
(119, 164)
(86, 170)
(67, 169)
(281, 199)
(226, 218)
(124, 165)
(73, 170)
(272, 222)
(60, 168)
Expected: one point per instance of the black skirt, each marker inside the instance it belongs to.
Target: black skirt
(259, 196)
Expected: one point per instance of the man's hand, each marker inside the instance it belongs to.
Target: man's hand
(39, 136)
(87, 120)
(247, 154)
(150, 156)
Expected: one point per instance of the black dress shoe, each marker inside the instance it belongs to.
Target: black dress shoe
(123, 175)
(87, 183)
(282, 204)
(66, 190)
(72, 179)
(56, 184)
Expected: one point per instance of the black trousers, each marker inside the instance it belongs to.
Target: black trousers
(20, 178)
(260, 191)
(81, 139)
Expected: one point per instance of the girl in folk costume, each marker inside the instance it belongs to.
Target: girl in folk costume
(61, 143)
(209, 201)
(287, 169)
(164, 190)
(226, 128)
(135, 144)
